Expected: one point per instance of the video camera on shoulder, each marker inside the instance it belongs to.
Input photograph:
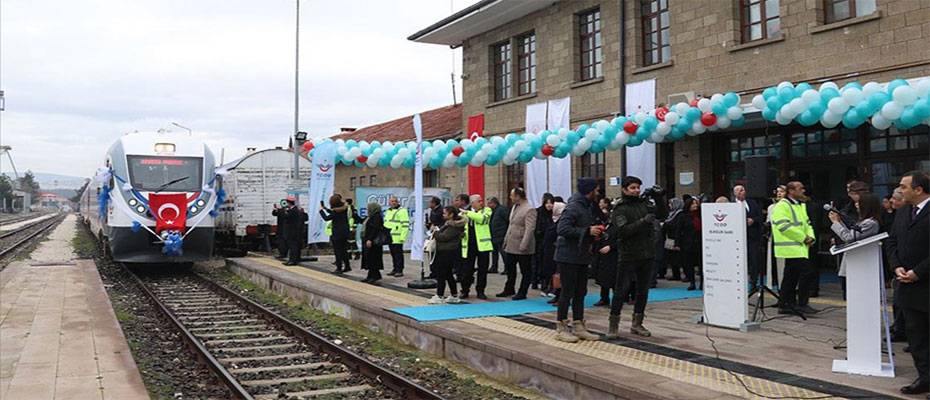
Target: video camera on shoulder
(654, 192)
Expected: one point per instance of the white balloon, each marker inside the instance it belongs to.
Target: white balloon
(602, 125)
(663, 128)
(828, 85)
(704, 105)
(475, 162)
(837, 105)
(340, 143)
(584, 144)
(578, 151)
(758, 102)
(591, 134)
(716, 98)
(563, 133)
(639, 118)
(734, 112)
(785, 84)
(519, 145)
(364, 145)
(923, 88)
(622, 139)
(388, 146)
(797, 106)
(782, 119)
(696, 129)
(871, 88)
(852, 95)
(396, 162)
(787, 111)
(496, 140)
(512, 153)
(553, 140)
(378, 152)
(528, 137)
(880, 122)
(672, 118)
(810, 96)
(892, 110)
(509, 161)
(682, 108)
(723, 122)
(656, 137)
(449, 161)
(905, 95)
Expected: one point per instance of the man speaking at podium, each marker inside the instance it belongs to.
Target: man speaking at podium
(908, 254)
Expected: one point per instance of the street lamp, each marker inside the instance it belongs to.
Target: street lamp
(182, 127)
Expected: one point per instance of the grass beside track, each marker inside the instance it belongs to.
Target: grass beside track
(451, 380)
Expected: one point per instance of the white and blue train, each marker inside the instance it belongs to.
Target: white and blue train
(125, 206)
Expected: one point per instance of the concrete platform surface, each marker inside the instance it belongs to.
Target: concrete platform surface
(59, 337)
(788, 357)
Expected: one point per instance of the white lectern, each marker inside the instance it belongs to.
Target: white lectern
(864, 307)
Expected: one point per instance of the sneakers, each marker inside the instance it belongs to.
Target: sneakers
(453, 300)
(435, 300)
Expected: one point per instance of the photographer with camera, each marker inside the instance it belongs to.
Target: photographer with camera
(632, 224)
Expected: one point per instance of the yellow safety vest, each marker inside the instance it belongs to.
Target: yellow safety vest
(790, 226)
(398, 221)
(482, 220)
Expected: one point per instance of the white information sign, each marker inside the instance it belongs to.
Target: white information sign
(723, 228)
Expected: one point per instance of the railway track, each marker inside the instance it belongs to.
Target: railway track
(258, 354)
(8, 219)
(12, 240)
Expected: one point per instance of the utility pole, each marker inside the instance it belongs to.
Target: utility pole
(296, 172)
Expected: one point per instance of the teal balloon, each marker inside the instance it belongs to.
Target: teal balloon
(676, 135)
(492, 161)
(719, 109)
(597, 147)
(451, 144)
(583, 128)
(461, 162)
(560, 152)
(693, 113)
(769, 93)
(922, 108)
(730, 99)
(852, 119)
(634, 141)
(351, 143)
(480, 141)
(683, 125)
(525, 158)
(807, 118)
(650, 123)
(909, 118)
(512, 138)
(786, 94)
(619, 122)
(828, 93)
(409, 162)
(572, 137)
(817, 109)
(774, 103)
(878, 100)
(801, 88)
(738, 123)
(895, 84)
(384, 161)
(611, 132)
(864, 108)
(852, 85)
(768, 114)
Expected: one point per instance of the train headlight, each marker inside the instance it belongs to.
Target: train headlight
(201, 203)
(140, 209)
(194, 209)
(133, 202)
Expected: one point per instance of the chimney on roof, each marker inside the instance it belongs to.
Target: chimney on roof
(346, 130)
(278, 148)
(250, 149)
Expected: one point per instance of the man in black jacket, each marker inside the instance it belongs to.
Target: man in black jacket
(754, 223)
(435, 214)
(280, 234)
(909, 257)
(631, 227)
(294, 219)
(577, 233)
(500, 218)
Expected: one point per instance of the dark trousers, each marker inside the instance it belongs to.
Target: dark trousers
(510, 263)
(467, 276)
(627, 271)
(341, 250)
(674, 261)
(898, 328)
(754, 263)
(397, 256)
(293, 251)
(373, 274)
(690, 263)
(442, 266)
(282, 246)
(495, 255)
(918, 334)
(605, 293)
(574, 288)
(795, 287)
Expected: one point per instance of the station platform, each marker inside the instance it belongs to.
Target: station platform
(786, 358)
(59, 337)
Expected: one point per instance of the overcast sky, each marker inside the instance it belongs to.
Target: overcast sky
(78, 74)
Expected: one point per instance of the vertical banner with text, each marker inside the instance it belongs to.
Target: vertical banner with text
(476, 174)
(416, 209)
(641, 160)
(723, 236)
(322, 176)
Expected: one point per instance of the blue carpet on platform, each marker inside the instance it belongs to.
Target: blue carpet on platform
(427, 313)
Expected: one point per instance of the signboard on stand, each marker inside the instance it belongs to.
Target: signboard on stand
(723, 227)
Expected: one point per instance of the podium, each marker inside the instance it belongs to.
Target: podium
(865, 304)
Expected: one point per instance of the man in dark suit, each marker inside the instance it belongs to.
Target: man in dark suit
(909, 258)
(754, 222)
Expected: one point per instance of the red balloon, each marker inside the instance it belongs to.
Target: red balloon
(362, 159)
(693, 102)
(708, 119)
(547, 150)
(660, 113)
(630, 127)
(458, 150)
(307, 146)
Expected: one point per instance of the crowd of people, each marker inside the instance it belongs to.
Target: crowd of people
(627, 244)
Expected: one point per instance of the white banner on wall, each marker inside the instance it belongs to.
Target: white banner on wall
(641, 160)
(537, 175)
(723, 227)
(322, 176)
(560, 169)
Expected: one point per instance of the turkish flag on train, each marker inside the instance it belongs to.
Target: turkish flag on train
(170, 211)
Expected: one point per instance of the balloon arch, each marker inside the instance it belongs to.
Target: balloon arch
(899, 103)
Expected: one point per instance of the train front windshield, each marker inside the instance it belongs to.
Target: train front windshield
(165, 174)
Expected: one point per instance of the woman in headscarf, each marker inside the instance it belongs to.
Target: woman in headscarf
(547, 266)
(338, 216)
(605, 255)
(374, 239)
(672, 230)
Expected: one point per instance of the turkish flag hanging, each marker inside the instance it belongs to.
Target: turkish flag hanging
(170, 211)
(476, 174)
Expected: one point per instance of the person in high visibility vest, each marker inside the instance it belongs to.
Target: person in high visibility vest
(355, 250)
(476, 246)
(792, 236)
(397, 220)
